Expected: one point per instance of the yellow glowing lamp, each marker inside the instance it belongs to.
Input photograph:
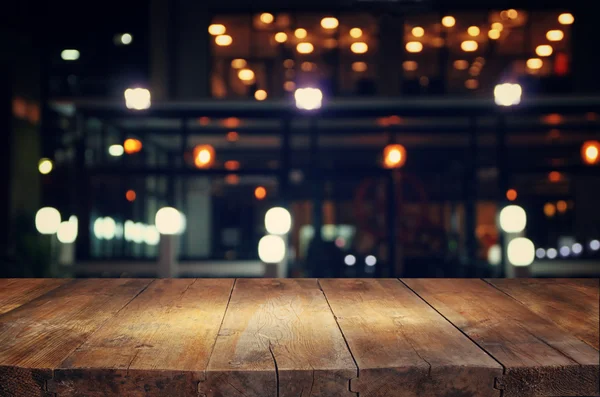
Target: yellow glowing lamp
(132, 145)
(204, 156)
(394, 156)
(590, 152)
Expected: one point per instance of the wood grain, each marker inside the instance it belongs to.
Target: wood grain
(159, 345)
(279, 338)
(403, 347)
(572, 304)
(540, 358)
(36, 337)
(15, 292)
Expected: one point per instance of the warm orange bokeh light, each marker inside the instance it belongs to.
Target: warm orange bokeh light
(260, 193)
(231, 122)
(204, 120)
(549, 210)
(561, 206)
(590, 152)
(554, 176)
(204, 156)
(552, 118)
(232, 165)
(132, 145)
(130, 195)
(394, 156)
(394, 119)
(232, 179)
(511, 194)
(233, 136)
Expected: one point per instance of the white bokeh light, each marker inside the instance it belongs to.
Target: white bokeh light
(370, 260)
(540, 253)
(69, 55)
(278, 221)
(67, 231)
(595, 245)
(115, 150)
(577, 248)
(494, 255)
(271, 249)
(126, 38)
(520, 252)
(137, 98)
(47, 220)
(551, 253)
(564, 251)
(308, 98)
(513, 219)
(350, 260)
(507, 94)
(105, 228)
(151, 235)
(169, 220)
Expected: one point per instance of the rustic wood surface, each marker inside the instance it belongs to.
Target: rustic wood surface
(36, 337)
(279, 338)
(299, 337)
(403, 347)
(572, 304)
(158, 345)
(15, 292)
(540, 358)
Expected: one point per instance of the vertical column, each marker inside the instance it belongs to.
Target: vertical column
(470, 197)
(160, 57)
(502, 185)
(285, 161)
(317, 192)
(82, 191)
(191, 50)
(5, 154)
(390, 52)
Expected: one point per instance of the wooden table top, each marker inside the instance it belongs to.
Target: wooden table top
(299, 337)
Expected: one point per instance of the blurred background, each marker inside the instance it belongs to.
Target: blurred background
(342, 138)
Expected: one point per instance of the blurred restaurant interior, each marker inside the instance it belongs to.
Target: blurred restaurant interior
(369, 139)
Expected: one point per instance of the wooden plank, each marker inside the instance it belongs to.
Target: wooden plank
(540, 359)
(159, 345)
(403, 347)
(15, 292)
(36, 337)
(572, 304)
(279, 338)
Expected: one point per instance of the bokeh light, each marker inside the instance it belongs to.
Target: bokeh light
(590, 152)
(169, 221)
(278, 221)
(271, 249)
(45, 166)
(204, 156)
(47, 220)
(520, 252)
(130, 195)
(513, 219)
(132, 145)
(511, 194)
(394, 156)
(260, 192)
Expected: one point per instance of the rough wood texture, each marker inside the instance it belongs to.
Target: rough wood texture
(540, 359)
(36, 337)
(279, 338)
(403, 347)
(15, 292)
(159, 345)
(572, 304)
